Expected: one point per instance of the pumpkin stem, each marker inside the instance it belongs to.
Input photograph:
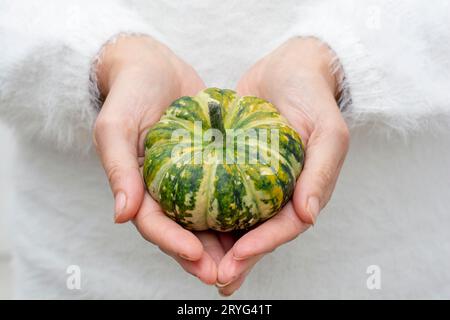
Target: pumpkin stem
(215, 116)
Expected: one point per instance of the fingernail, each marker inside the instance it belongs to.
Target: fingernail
(239, 258)
(121, 202)
(222, 285)
(185, 257)
(313, 209)
(223, 294)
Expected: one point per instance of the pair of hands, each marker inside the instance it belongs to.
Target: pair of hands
(140, 77)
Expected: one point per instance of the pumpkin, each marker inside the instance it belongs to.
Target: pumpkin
(195, 174)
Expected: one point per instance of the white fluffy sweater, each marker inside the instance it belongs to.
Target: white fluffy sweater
(392, 204)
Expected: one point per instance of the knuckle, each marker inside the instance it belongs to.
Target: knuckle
(143, 223)
(95, 141)
(101, 126)
(343, 133)
(103, 123)
(164, 237)
(295, 225)
(325, 176)
(96, 132)
(113, 172)
(108, 123)
(129, 128)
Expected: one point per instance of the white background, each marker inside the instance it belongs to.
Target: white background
(6, 147)
(393, 197)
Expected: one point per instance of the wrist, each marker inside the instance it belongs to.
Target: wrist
(129, 53)
(304, 59)
(319, 60)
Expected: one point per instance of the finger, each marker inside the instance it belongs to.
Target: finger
(235, 285)
(216, 244)
(282, 228)
(231, 269)
(211, 245)
(204, 269)
(227, 240)
(115, 137)
(325, 154)
(245, 89)
(160, 230)
(246, 85)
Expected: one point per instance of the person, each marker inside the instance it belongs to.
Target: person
(83, 76)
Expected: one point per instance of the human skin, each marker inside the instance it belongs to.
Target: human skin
(140, 77)
(299, 79)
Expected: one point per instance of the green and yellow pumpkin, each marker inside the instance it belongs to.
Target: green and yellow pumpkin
(202, 167)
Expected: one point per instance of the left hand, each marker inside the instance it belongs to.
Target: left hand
(297, 78)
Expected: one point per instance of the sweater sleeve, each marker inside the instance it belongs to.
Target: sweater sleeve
(48, 48)
(395, 56)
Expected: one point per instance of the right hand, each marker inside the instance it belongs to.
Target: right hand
(140, 77)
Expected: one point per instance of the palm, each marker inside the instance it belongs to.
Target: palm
(290, 94)
(140, 78)
(216, 245)
(217, 262)
(289, 77)
(292, 78)
(151, 216)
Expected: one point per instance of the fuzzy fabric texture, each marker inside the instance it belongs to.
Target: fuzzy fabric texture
(396, 58)
(48, 50)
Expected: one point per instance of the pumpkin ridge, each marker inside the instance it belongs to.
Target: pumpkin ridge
(181, 198)
(271, 121)
(163, 142)
(253, 117)
(236, 107)
(284, 185)
(209, 181)
(280, 157)
(230, 113)
(186, 108)
(216, 193)
(166, 166)
(188, 125)
(234, 211)
(152, 165)
(286, 131)
(251, 189)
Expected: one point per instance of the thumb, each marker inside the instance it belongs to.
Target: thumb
(116, 141)
(325, 154)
